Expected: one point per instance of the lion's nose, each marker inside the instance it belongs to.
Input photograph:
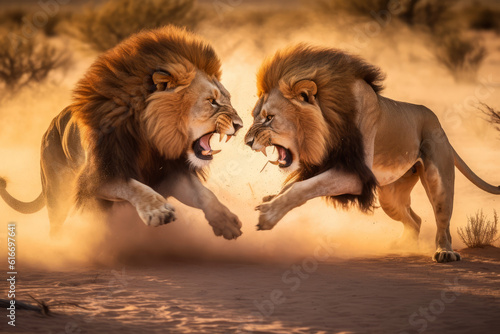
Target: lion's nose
(237, 126)
(250, 142)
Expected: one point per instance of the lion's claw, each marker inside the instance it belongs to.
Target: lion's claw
(225, 223)
(269, 216)
(157, 212)
(444, 256)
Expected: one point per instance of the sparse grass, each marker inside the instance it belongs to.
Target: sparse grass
(105, 26)
(461, 55)
(25, 61)
(479, 231)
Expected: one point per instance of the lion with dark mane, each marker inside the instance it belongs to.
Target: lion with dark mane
(139, 130)
(322, 111)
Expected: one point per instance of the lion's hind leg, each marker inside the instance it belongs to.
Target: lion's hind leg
(395, 200)
(438, 180)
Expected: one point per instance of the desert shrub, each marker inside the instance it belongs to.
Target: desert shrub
(24, 61)
(479, 231)
(16, 17)
(461, 55)
(484, 18)
(13, 16)
(105, 26)
(426, 13)
(492, 114)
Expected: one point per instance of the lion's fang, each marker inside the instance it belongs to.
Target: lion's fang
(274, 162)
(228, 137)
(210, 152)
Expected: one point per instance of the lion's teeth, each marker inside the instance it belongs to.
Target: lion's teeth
(272, 153)
(207, 152)
(263, 150)
(282, 162)
(216, 151)
(221, 136)
(274, 162)
(215, 142)
(228, 137)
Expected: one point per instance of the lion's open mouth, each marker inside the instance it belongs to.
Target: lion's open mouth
(281, 156)
(202, 147)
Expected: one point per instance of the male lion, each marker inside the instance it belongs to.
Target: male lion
(321, 110)
(139, 130)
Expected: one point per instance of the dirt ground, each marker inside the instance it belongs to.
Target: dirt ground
(390, 294)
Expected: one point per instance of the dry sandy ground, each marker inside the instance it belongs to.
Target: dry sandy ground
(390, 294)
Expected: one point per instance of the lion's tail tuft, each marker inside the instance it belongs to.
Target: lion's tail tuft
(476, 180)
(23, 207)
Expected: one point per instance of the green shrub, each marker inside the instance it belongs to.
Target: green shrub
(479, 231)
(105, 26)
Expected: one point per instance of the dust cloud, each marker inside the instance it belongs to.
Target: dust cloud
(413, 75)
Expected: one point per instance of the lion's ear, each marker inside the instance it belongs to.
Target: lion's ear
(306, 90)
(303, 90)
(162, 80)
(176, 77)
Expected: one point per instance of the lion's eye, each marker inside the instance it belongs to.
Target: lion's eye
(269, 118)
(213, 102)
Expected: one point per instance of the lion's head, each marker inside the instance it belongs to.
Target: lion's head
(307, 110)
(158, 93)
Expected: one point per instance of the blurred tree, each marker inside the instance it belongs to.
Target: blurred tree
(24, 61)
(106, 25)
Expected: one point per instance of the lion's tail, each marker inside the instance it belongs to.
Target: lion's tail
(23, 207)
(468, 173)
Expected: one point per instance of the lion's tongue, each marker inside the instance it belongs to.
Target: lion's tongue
(280, 159)
(282, 153)
(205, 142)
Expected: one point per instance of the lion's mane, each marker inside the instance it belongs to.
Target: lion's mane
(338, 143)
(120, 133)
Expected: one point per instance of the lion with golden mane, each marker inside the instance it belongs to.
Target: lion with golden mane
(322, 111)
(139, 130)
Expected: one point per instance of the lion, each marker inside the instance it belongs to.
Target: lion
(139, 130)
(321, 110)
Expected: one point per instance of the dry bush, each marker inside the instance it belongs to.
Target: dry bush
(105, 26)
(15, 18)
(479, 231)
(461, 55)
(24, 61)
(426, 13)
(483, 18)
(492, 114)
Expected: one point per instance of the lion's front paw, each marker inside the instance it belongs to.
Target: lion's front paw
(443, 255)
(269, 216)
(156, 212)
(225, 223)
